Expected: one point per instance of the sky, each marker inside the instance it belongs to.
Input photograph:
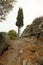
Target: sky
(31, 10)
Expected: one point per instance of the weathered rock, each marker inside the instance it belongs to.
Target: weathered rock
(27, 50)
(4, 41)
(36, 28)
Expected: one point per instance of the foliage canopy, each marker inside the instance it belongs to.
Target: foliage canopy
(19, 21)
(5, 7)
(12, 34)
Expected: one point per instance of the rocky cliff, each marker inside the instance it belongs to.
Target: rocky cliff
(35, 29)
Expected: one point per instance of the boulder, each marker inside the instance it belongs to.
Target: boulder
(4, 41)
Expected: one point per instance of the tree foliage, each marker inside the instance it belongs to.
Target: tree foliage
(5, 7)
(12, 34)
(19, 22)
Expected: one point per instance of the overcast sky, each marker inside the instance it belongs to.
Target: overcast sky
(31, 9)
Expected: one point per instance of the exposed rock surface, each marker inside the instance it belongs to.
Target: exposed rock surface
(26, 51)
(35, 29)
(4, 41)
(22, 52)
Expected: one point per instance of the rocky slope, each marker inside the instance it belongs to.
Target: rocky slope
(23, 52)
(35, 28)
(29, 49)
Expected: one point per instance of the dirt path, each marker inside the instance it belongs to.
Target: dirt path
(19, 50)
(10, 56)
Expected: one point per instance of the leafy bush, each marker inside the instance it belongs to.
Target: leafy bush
(12, 34)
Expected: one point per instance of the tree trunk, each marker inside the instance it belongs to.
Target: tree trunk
(18, 32)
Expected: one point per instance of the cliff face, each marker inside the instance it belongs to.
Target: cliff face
(35, 28)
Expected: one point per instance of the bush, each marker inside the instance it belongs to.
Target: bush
(12, 34)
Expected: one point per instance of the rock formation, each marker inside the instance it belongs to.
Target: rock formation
(29, 49)
(35, 29)
(4, 41)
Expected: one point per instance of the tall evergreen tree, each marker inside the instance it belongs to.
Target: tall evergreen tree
(19, 22)
(5, 7)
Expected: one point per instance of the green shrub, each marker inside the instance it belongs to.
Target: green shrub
(12, 34)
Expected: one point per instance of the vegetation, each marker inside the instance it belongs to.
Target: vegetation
(5, 7)
(19, 22)
(12, 34)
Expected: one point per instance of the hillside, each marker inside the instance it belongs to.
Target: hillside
(35, 28)
(28, 50)
(23, 51)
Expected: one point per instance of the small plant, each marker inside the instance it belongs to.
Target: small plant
(12, 34)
